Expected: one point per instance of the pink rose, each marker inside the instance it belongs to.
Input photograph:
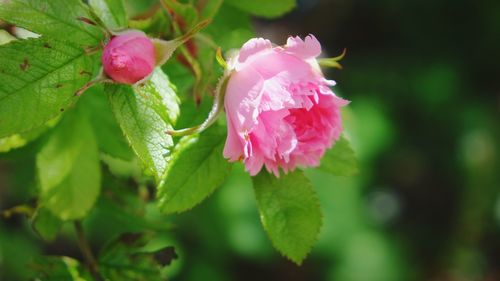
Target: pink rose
(129, 57)
(279, 107)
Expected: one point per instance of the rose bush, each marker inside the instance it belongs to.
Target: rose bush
(280, 110)
(113, 157)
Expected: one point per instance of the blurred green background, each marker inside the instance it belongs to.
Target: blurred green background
(424, 120)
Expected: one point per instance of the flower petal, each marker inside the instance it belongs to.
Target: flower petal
(305, 49)
(252, 47)
(243, 96)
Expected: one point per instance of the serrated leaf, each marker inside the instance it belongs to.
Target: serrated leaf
(166, 102)
(46, 224)
(39, 78)
(340, 160)
(144, 113)
(290, 212)
(264, 8)
(68, 168)
(196, 170)
(54, 18)
(111, 12)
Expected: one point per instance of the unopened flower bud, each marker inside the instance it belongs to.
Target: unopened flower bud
(129, 57)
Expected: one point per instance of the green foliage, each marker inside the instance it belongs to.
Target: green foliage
(231, 27)
(264, 8)
(210, 9)
(159, 86)
(61, 142)
(17, 248)
(111, 12)
(156, 26)
(196, 170)
(340, 159)
(54, 268)
(145, 112)
(46, 224)
(68, 168)
(53, 18)
(12, 142)
(39, 78)
(22, 139)
(130, 257)
(187, 12)
(107, 131)
(290, 212)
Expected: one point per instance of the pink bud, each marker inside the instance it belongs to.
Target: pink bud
(129, 57)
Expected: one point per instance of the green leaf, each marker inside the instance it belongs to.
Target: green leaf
(290, 212)
(133, 257)
(187, 12)
(166, 103)
(122, 219)
(17, 249)
(19, 140)
(156, 25)
(109, 136)
(46, 224)
(12, 142)
(264, 8)
(182, 78)
(196, 170)
(208, 9)
(53, 268)
(123, 168)
(144, 113)
(39, 78)
(142, 7)
(230, 28)
(54, 18)
(340, 160)
(111, 12)
(68, 168)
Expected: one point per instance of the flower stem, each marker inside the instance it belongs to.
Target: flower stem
(84, 246)
(217, 108)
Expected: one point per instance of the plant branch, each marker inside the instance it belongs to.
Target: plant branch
(84, 246)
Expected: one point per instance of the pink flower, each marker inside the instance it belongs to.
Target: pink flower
(280, 110)
(129, 57)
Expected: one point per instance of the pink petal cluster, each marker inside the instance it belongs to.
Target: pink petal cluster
(129, 57)
(280, 109)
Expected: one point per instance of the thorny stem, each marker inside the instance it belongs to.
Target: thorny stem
(87, 252)
(217, 108)
(194, 65)
(100, 78)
